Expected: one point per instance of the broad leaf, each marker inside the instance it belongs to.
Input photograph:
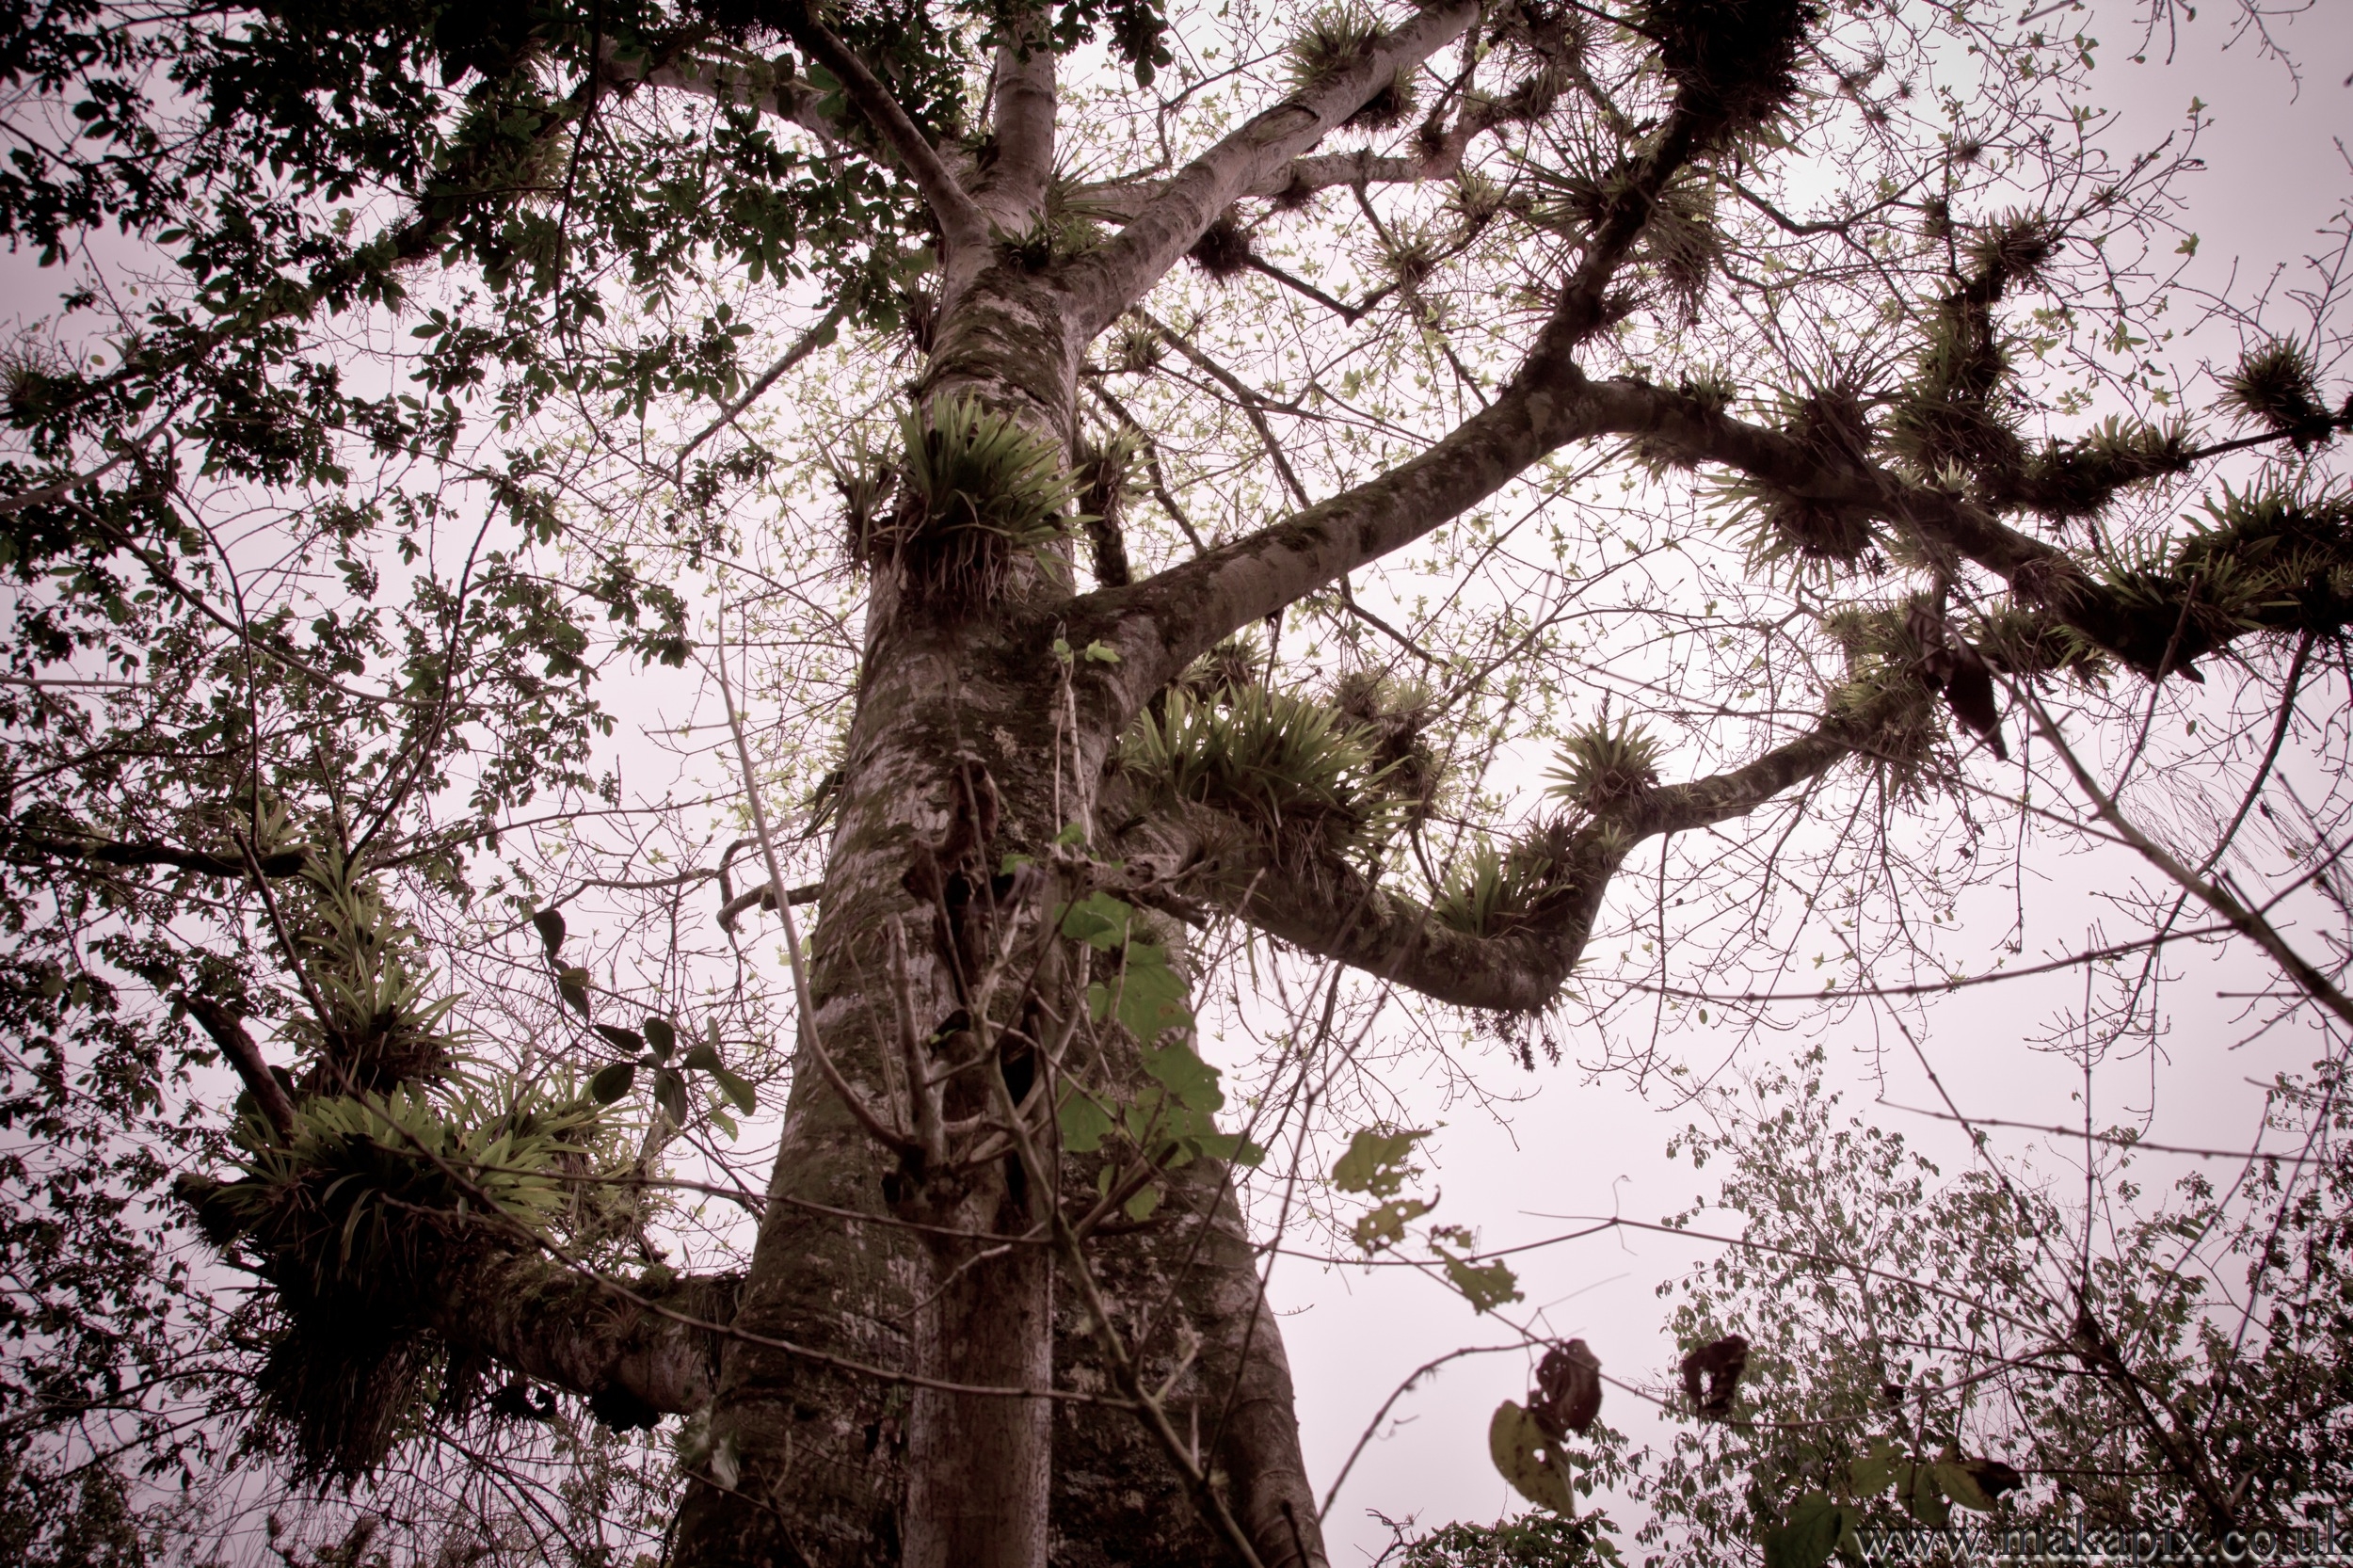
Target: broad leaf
(1522, 1454)
(612, 1083)
(1375, 1163)
(1813, 1532)
(1083, 1121)
(660, 1038)
(1097, 920)
(1151, 995)
(1485, 1286)
(747, 1098)
(1384, 1226)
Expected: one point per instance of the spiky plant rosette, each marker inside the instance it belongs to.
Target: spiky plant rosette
(1497, 889)
(1294, 770)
(2071, 481)
(2276, 386)
(365, 1185)
(1734, 63)
(1223, 251)
(1957, 423)
(2271, 558)
(1336, 37)
(1105, 476)
(1232, 665)
(1888, 711)
(1605, 767)
(355, 1215)
(1784, 528)
(977, 489)
(379, 1027)
(1391, 714)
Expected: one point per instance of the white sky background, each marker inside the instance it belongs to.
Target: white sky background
(2277, 166)
(1577, 1145)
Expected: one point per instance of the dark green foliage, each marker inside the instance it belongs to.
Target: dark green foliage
(1496, 891)
(1223, 251)
(1538, 1541)
(976, 490)
(1898, 1397)
(1735, 63)
(1337, 37)
(2272, 560)
(54, 1519)
(2275, 387)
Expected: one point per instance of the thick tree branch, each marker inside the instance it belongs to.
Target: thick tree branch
(111, 853)
(227, 1032)
(1113, 276)
(750, 85)
(2040, 575)
(1328, 907)
(962, 224)
(561, 1328)
(1159, 625)
(1012, 188)
(1320, 171)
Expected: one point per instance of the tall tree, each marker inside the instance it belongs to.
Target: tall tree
(427, 401)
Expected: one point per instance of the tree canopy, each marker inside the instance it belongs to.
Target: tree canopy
(745, 742)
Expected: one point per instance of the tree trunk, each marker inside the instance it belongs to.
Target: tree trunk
(831, 1464)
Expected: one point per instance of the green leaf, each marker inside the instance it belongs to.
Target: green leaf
(1151, 995)
(701, 1059)
(1485, 1286)
(1072, 833)
(1816, 1524)
(572, 984)
(1916, 1488)
(1375, 1163)
(1190, 1080)
(662, 1036)
(1870, 1474)
(612, 1083)
(1231, 1147)
(1960, 1484)
(669, 1092)
(747, 1098)
(1085, 1123)
(1097, 920)
(624, 1039)
(549, 924)
(1521, 1453)
(1384, 1226)
(1147, 1199)
(1100, 653)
